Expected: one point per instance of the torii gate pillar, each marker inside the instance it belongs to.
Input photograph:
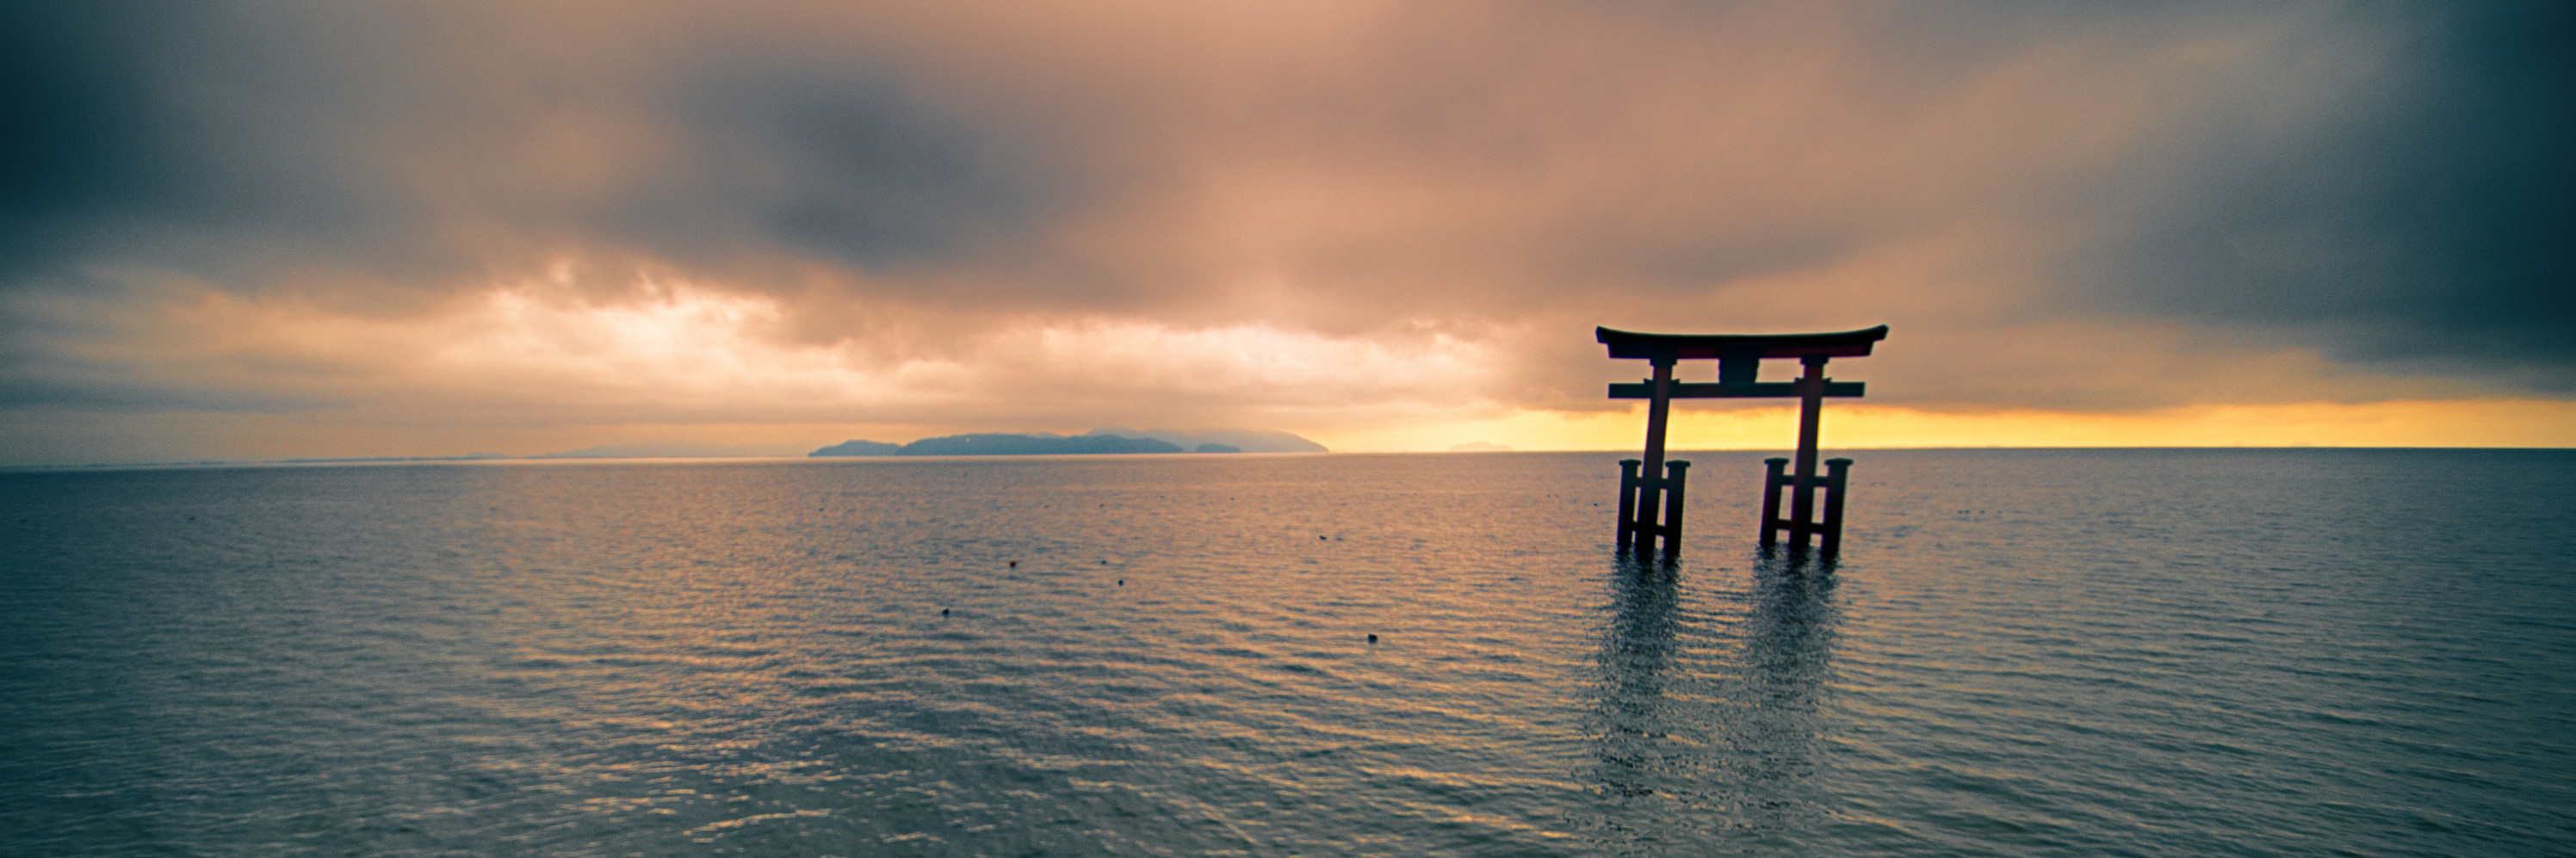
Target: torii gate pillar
(1658, 489)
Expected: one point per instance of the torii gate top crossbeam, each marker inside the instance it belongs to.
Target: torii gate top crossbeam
(1739, 359)
(1662, 348)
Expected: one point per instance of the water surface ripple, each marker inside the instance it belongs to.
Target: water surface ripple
(2022, 653)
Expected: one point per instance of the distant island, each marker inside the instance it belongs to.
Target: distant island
(1098, 441)
(1219, 440)
(1002, 444)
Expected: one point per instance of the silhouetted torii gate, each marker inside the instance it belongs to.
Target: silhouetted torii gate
(1739, 360)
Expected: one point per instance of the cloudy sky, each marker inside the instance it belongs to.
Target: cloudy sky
(277, 229)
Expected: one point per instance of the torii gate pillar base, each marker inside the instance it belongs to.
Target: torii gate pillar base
(1829, 531)
(1638, 494)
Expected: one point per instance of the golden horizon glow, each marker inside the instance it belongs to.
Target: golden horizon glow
(2510, 423)
(2492, 423)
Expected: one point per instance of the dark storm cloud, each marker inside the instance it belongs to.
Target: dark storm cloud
(422, 147)
(139, 131)
(831, 161)
(2427, 218)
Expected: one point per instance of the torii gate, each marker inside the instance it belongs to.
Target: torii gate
(1739, 360)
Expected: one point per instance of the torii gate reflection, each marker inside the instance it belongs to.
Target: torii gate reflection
(1739, 360)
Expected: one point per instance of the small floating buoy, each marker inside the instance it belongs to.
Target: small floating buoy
(1319, 537)
(1015, 564)
(943, 612)
(1122, 582)
(1372, 639)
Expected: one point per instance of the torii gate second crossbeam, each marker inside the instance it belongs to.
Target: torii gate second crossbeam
(1739, 358)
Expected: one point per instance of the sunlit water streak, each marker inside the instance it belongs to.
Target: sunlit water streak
(2021, 653)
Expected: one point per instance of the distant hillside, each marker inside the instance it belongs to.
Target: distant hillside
(1242, 440)
(860, 448)
(1003, 444)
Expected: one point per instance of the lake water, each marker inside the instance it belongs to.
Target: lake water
(2238, 652)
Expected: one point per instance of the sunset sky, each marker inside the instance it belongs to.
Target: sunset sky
(270, 230)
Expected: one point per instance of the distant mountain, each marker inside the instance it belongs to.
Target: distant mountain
(1242, 440)
(1003, 444)
(860, 448)
(1216, 448)
(1038, 444)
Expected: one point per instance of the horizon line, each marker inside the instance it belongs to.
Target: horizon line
(548, 458)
